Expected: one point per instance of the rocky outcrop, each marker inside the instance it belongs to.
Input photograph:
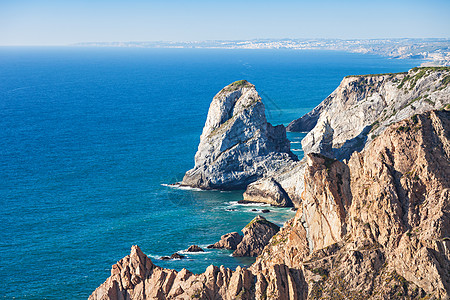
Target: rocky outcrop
(266, 190)
(237, 145)
(228, 241)
(362, 107)
(257, 234)
(136, 277)
(326, 200)
(173, 256)
(194, 248)
(321, 140)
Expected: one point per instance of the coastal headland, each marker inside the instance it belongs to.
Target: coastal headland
(372, 196)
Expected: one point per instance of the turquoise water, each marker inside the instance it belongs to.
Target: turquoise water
(90, 136)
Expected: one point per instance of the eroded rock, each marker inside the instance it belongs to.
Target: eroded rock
(194, 248)
(267, 190)
(228, 241)
(237, 145)
(257, 234)
(362, 107)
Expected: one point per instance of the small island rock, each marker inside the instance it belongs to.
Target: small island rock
(238, 146)
(194, 248)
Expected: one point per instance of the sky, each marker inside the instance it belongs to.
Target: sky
(64, 22)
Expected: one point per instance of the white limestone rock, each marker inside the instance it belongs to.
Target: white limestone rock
(237, 145)
(362, 107)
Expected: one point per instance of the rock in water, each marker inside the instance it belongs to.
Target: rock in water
(266, 190)
(237, 145)
(194, 248)
(177, 256)
(228, 241)
(257, 235)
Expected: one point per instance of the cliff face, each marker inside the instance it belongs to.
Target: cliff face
(237, 145)
(363, 106)
(377, 227)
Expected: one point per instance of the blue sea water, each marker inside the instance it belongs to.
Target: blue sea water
(89, 138)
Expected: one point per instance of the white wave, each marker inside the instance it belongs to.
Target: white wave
(181, 187)
(236, 203)
(194, 253)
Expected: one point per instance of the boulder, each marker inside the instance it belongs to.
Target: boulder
(228, 241)
(177, 256)
(267, 190)
(173, 256)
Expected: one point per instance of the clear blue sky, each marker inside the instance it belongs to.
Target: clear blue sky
(61, 22)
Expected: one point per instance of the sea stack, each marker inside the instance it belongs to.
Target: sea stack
(237, 146)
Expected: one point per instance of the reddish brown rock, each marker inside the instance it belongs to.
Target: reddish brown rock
(257, 234)
(228, 241)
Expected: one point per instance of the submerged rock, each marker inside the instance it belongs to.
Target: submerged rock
(237, 145)
(177, 256)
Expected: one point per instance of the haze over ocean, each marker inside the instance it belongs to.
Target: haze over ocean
(89, 137)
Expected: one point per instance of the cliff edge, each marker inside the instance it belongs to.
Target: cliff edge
(363, 106)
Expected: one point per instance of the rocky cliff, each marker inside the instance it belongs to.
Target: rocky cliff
(359, 110)
(362, 107)
(237, 145)
(376, 227)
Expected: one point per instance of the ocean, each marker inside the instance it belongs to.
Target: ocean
(91, 137)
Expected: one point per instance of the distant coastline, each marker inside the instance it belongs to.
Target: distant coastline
(436, 51)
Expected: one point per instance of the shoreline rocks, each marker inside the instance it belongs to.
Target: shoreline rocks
(376, 225)
(389, 240)
(348, 120)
